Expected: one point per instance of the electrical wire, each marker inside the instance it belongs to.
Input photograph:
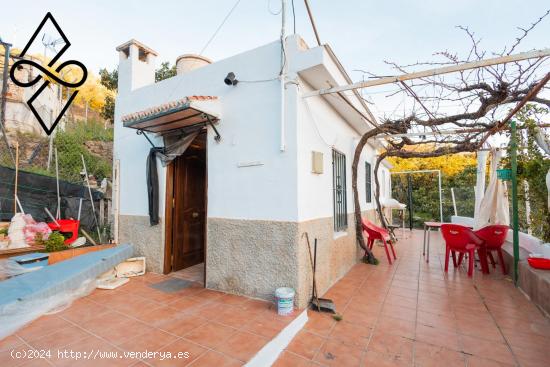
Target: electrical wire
(220, 26)
(293, 17)
(272, 12)
(210, 40)
(312, 119)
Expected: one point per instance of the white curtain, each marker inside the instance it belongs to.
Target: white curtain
(543, 143)
(480, 179)
(494, 207)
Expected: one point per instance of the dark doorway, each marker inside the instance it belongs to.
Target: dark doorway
(186, 208)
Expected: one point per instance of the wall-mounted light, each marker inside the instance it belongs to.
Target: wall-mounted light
(230, 79)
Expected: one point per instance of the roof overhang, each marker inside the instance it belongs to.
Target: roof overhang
(176, 115)
(320, 67)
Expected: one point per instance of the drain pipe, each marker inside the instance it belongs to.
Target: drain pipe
(283, 74)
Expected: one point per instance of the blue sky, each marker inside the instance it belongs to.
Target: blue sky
(362, 33)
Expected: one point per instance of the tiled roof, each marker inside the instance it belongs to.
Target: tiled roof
(165, 107)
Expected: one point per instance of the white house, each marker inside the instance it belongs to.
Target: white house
(48, 104)
(240, 203)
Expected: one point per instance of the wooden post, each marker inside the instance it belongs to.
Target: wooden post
(16, 177)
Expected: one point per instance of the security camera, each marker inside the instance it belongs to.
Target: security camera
(230, 79)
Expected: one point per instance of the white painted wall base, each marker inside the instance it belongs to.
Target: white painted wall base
(271, 351)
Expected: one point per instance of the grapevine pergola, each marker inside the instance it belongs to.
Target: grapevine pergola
(484, 89)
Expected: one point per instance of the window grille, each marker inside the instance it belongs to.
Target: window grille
(339, 191)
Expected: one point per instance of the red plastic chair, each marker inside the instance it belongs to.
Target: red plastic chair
(462, 240)
(374, 233)
(493, 237)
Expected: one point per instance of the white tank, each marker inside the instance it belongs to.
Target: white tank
(188, 62)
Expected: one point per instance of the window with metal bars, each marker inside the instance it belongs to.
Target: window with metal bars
(339, 191)
(368, 182)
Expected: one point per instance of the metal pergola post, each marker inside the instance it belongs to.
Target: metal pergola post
(440, 196)
(438, 182)
(515, 207)
(433, 72)
(410, 200)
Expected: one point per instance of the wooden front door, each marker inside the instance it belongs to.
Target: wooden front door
(189, 206)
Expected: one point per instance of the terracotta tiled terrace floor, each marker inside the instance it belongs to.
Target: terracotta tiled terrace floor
(215, 328)
(407, 314)
(412, 314)
(194, 273)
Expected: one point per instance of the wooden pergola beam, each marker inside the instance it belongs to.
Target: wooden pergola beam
(432, 72)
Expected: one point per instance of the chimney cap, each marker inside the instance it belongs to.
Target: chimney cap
(127, 44)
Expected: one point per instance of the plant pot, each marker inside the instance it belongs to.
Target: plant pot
(58, 256)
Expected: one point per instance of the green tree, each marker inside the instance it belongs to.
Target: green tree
(108, 109)
(109, 78)
(532, 169)
(165, 71)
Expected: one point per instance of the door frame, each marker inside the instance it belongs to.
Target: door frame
(168, 213)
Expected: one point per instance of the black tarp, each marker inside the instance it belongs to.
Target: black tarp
(35, 192)
(153, 186)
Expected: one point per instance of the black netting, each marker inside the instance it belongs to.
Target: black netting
(36, 192)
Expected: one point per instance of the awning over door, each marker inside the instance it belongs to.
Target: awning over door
(171, 116)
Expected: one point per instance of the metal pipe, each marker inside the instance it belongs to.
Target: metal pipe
(91, 197)
(79, 209)
(449, 132)
(16, 176)
(283, 74)
(58, 213)
(433, 72)
(515, 207)
(440, 197)
(454, 200)
(19, 204)
(52, 217)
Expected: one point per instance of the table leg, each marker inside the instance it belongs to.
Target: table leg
(428, 249)
(424, 243)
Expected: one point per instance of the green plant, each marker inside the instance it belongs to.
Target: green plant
(55, 242)
(532, 169)
(4, 231)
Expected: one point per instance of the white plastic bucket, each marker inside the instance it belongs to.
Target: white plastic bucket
(285, 300)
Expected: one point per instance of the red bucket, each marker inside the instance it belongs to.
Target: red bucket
(67, 227)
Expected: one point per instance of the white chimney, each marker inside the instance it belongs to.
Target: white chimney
(136, 67)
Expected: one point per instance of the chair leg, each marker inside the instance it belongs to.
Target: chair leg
(501, 259)
(490, 254)
(482, 254)
(392, 250)
(453, 254)
(460, 257)
(387, 252)
(471, 257)
(447, 253)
